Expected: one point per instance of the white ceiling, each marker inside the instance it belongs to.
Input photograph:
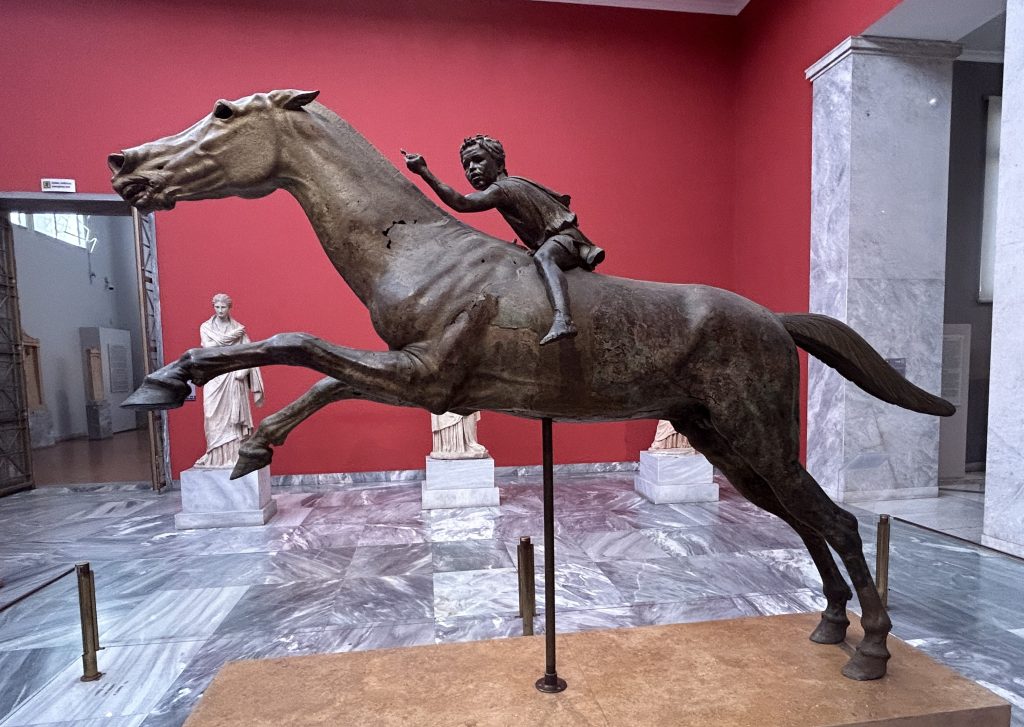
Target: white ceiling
(714, 7)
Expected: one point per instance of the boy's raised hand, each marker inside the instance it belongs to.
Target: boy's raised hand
(416, 163)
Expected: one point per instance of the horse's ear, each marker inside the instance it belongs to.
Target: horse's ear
(292, 99)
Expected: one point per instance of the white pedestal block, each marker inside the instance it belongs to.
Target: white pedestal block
(209, 499)
(459, 483)
(665, 478)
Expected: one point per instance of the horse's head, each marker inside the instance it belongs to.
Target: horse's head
(231, 152)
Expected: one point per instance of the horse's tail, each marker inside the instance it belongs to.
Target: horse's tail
(839, 346)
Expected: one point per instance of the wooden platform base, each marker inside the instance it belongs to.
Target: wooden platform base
(761, 672)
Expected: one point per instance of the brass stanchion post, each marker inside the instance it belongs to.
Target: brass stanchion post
(90, 625)
(882, 559)
(527, 585)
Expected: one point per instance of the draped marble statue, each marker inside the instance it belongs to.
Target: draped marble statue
(667, 438)
(227, 417)
(455, 436)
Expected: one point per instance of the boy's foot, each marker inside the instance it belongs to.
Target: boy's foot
(561, 328)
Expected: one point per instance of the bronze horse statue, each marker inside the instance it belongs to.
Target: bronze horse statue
(461, 313)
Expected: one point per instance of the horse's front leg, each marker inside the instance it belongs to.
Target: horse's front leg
(256, 451)
(422, 374)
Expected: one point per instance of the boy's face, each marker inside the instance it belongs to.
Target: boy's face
(481, 168)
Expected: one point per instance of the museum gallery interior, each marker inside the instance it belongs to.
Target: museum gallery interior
(493, 362)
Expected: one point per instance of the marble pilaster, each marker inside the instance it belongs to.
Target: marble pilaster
(1004, 469)
(878, 212)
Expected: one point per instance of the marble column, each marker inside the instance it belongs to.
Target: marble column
(1004, 468)
(878, 230)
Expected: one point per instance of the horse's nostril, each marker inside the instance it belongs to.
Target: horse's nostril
(115, 162)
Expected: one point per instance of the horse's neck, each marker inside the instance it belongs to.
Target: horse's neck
(353, 197)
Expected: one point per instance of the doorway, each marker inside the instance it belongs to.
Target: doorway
(84, 295)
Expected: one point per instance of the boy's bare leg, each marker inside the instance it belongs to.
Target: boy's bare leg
(551, 259)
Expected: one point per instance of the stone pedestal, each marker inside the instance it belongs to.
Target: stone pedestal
(880, 172)
(98, 420)
(670, 477)
(459, 483)
(209, 499)
(40, 428)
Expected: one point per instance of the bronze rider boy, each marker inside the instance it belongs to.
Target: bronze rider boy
(539, 216)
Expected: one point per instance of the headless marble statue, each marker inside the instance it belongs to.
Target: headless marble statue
(455, 436)
(667, 438)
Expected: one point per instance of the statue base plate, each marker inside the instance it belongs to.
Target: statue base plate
(756, 672)
(669, 477)
(459, 483)
(210, 499)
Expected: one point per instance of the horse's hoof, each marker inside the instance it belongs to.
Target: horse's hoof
(251, 457)
(156, 394)
(865, 667)
(830, 632)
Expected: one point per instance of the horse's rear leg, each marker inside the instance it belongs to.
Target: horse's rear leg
(832, 627)
(256, 451)
(804, 499)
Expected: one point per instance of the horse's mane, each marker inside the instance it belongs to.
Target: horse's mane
(346, 136)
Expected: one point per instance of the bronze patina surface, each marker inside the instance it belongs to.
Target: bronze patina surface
(462, 312)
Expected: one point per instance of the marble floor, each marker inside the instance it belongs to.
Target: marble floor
(364, 568)
(959, 510)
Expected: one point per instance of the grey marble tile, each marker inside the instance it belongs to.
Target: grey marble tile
(713, 608)
(492, 592)
(450, 629)
(619, 544)
(348, 515)
(590, 521)
(387, 598)
(390, 560)
(283, 609)
(51, 619)
(580, 586)
(133, 721)
(470, 555)
(119, 508)
(392, 534)
(134, 678)
(467, 523)
(325, 536)
(26, 671)
(176, 615)
(671, 579)
(725, 538)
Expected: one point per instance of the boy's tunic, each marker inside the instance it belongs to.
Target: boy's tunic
(537, 214)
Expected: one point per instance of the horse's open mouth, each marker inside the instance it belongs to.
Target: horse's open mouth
(143, 195)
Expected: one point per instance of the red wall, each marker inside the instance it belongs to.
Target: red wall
(778, 40)
(684, 140)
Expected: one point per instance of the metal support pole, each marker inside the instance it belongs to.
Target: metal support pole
(527, 585)
(90, 625)
(882, 559)
(549, 682)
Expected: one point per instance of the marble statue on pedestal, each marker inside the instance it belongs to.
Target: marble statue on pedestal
(460, 472)
(454, 436)
(227, 417)
(209, 497)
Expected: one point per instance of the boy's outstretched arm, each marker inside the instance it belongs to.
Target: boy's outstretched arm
(487, 199)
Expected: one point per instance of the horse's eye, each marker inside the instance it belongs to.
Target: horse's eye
(223, 111)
